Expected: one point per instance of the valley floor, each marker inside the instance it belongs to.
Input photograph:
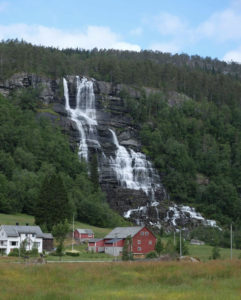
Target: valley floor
(135, 280)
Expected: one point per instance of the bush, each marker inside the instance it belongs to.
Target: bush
(151, 254)
(33, 252)
(14, 252)
(216, 253)
(70, 253)
(170, 247)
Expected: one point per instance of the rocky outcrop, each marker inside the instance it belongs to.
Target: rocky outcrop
(48, 88)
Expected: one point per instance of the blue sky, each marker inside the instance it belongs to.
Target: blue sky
(206, 28)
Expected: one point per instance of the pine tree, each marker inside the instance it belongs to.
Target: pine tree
(52, 207)
(94, 175)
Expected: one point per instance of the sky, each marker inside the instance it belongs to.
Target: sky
(196, 27)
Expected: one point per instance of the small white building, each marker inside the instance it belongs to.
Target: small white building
(196, 242)
(12, 236)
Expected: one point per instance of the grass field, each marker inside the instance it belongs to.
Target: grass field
(213, 280)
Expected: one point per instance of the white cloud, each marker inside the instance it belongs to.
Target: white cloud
(168, 24)
(165, 47)
(3, 6)
(234, 55)
(93, 36)
(136, 31)
(222, 26)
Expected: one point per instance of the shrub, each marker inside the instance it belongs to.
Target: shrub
(151, 254)
(14, 252)
(70, 253)
(216, 253)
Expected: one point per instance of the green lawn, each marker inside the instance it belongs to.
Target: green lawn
(205, 251)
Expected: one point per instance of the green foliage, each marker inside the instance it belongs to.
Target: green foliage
(52, 206)
(190, 128)
(184, 246)
(14, 252)
(70, 253)
(209, 235)
(195, 147)
(170, 247)
(60, 231)
(127, 249)
(215, 253)
(159, 246)
(151, 254)
(32, 152)
(94, 175)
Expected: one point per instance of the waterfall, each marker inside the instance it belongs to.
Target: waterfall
(84, 114)
(133, 171)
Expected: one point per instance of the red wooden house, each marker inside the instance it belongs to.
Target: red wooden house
(143, 240)
(96, 245)
(83, 234)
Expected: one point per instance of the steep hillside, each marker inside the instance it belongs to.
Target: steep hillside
(177, 117)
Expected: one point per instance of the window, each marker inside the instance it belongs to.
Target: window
(146, 233)
(14, 243)
(150, 242)
(138, 242)
(89, 235)
(138, 248)
(36, 245)
(142, 232)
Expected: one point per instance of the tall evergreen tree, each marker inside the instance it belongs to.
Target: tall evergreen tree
(52, 207)
(94, 175)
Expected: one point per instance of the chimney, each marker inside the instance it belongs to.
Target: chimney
(17, 223)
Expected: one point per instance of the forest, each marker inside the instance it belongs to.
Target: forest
(39, 172)
(195, 144)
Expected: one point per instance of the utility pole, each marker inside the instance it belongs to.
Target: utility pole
(180, 242)
(231, 241)
(73, 235)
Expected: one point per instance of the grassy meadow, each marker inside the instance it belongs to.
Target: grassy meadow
(136, 280)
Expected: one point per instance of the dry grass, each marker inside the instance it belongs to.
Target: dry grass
(149, 280)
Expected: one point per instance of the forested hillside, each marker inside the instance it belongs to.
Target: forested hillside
(34, 154)
(195, 143)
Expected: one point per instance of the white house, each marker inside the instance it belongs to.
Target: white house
(11, 237)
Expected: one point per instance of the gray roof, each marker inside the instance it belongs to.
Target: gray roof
(15, 230)
(47, 236)
(123, 232)
(88, 231)
(94, 240)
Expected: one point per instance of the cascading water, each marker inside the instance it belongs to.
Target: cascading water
(84, 114)
(132, 169)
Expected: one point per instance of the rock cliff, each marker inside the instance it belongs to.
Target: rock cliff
(112, 133)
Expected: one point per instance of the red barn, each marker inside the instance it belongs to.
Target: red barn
(143, 240)
(83, 234)
(96, 245)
